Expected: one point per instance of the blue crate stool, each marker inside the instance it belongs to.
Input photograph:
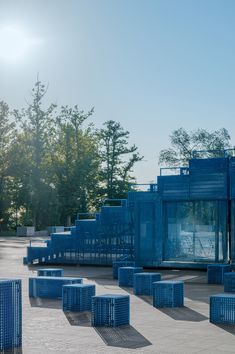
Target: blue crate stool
(215, 273)
(110, 310)
(51, 272)
(222, 308)
(50, 287)
(10, 314)
(229, 282)
(78, 297)
(126, 275)
(143, 282)
(118, 264)
(168, 293)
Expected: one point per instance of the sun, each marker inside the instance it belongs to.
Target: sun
(14, 43)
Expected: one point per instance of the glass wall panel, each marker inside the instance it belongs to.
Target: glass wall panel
(195, 231)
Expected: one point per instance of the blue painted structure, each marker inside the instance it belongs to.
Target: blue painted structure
(222, 308)
(143, 283)
(185, 220)
(215, 273)
(10, 314)
(50, 287)
(78, 297)
(111, 310)
(168, 293)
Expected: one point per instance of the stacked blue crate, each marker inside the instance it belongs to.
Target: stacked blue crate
(50, 287)
(143, 283)
(168, 293)
(126, 275)
(215, 273)
(50, 272)
(10, 314)
(78, 297)
(118, 264)
(111, 310)
(222, 308)
(229, 282)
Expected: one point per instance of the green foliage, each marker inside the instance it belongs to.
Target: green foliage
(183, 144)
(118, 159)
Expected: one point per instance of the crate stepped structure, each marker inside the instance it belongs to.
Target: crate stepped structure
(143, 283)
(50, 272)
(10, 314)
(126, 275)
(222, 309)
(78, 297)
(168, 293)
(50, 287)
(110, 310)
(183, 220)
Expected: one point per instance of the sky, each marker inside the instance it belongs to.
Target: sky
(152, 65)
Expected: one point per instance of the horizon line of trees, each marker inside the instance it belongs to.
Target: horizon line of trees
(54, 163)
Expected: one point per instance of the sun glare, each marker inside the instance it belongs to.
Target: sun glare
(14, 43)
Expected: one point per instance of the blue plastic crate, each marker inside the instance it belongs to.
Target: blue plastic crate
(78, 297)
(126, 275)
(50, 287)
(229, 282)
(222, 308)
(51, 272)
(10, 313)
(168, 293)
(111, 310)
(215, 273)
(143, 282)
(118, 264)
(25, 260)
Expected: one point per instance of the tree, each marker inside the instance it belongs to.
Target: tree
(118, 159)
(75, 163)
(36, 131)
(7, 130)
(184, 143)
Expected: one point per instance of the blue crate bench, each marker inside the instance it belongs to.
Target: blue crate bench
(222, 308)
(78, 297)
(126, 275)
(10, 314)
(111, 310)
(215, 273)
(143, 282)
(50, 287)
(118, 264)
(168, 293)
(50, 272)
(229, 282)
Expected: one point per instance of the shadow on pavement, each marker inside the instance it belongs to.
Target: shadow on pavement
(78, 318)
(228, 328)
(122, 337)
(183, 314)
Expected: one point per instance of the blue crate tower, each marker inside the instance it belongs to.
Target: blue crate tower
(118, 264)
(10, 314)
(110, 310)
(215, 273)
(222, 308)
(50, 287)
(78, 297)
(143, 282)
(168, 293)
(51, 272)
(229, 282)
(126, 275)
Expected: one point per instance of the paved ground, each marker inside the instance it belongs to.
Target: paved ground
(46, 329)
